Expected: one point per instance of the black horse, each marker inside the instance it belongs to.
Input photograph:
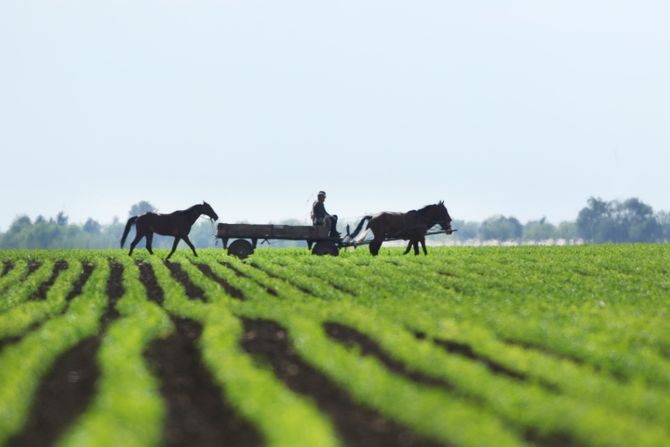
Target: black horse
(411, 226)
(177, 224)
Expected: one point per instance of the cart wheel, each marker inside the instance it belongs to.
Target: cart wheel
(325, 248)
(240, 248)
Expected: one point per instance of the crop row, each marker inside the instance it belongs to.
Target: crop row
(464, 347)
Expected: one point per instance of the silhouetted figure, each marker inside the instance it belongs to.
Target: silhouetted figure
(411, 226)
(321, 217)
(177, 224)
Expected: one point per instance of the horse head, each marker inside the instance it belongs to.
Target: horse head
(209, 211)
(443, 217)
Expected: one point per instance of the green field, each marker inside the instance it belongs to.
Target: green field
(468, 346)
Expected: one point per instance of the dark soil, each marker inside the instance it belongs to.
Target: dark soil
(547, 351)
(62, 396)
(304, 290)
(69, 385)
(465, 350)
(351, 337)
(7, 267)
(237, 271)
(357, 425)
(115, 291)
(192, 291)
(87, 270)
(301, 288)
(76, 290)
(148, 278)
(41, 292)
(367, 346)
(32, 266)
(244, 275)
(197, 415)
(230, 290)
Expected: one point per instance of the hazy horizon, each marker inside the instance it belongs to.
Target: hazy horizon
(525, 108)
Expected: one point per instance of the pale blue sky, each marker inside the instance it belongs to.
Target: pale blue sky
(523, 107)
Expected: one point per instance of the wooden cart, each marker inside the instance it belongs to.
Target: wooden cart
(246, 237)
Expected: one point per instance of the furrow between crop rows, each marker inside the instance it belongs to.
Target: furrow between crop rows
(282, 418)
(196, 413)
(27, 362)
(553, 372)
(357, 425)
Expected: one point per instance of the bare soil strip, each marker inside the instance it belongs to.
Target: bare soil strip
(292, 283)
(115, 291)
(357, 425)
(32, 266)
(41, 292)
(351, 337)
(62, 396)
(69, 386)
(547, 351)
(7, 267)
(241, 274)
(230, 290)
(192, 291)
(87, 270)
(465, 350)
(76, 290)
(148, 278)
(197, 414)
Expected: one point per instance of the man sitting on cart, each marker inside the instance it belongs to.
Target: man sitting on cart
(321, 217)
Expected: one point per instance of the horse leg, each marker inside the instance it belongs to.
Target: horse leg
(150, 238)
(135, 241)
(174, 247)
(415, 244)
(188, 242)
(409, 245)
(423, 245)
(375, 245)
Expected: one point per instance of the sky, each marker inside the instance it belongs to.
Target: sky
(522, 107)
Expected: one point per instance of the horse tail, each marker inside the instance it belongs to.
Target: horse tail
(360, 238)
(129, 224)
(359, 227)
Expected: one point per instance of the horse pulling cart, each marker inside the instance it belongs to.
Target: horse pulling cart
(245, 238)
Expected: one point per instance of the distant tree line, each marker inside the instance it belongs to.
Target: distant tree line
(59, 233)
(599, 222)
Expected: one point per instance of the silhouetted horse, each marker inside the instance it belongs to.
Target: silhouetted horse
(177, 224)
(411, 226)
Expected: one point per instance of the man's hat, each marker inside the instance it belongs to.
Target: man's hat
(321, 193)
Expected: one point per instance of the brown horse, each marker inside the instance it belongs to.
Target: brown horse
(177, 224)
(411, 226)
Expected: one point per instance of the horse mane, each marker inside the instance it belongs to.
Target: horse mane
(189, 209)
(426, 208)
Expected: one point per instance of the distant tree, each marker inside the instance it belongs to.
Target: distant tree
(91, 226)
(501, 228)
(40, 220)
(19, 224)
(466, 230)
(567, 230)
(630, 221)
(663, 219)
(539, 230)
(140, 208)
(61, 218)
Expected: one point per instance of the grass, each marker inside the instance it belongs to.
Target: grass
(539, 345)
